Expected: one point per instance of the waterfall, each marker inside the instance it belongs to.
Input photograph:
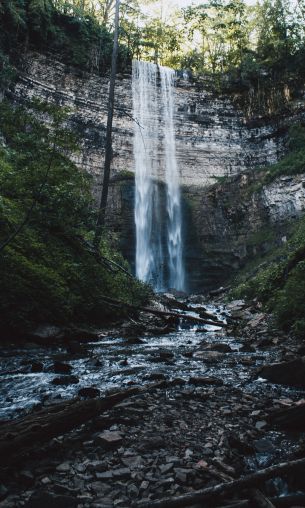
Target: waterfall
(158, 262)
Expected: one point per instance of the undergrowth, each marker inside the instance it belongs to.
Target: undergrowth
(47, 272)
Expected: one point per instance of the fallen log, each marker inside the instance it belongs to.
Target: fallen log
(259, 500)
(163, 313)
(251, 480)
(19, 437)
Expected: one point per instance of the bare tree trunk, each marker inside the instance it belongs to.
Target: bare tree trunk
(108, 148)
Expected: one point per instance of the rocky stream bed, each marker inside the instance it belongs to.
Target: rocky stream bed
(207, 423)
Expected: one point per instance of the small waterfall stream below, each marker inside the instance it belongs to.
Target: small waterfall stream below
(159, 256)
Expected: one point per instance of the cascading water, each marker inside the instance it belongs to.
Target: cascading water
(174, 236)
(154, 142)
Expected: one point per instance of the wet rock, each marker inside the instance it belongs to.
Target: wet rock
(134, 340)
(50, 500)
(89, 392)
(156, 376)
(61, 368)
(290, 373)
(247, 348)
(78, 333)
(171, 302)
(109, 439)
(36, 367)
(220, 347)
(77, 349)
(204, 380)
(65, 380)
(264, 445)
(208, 356)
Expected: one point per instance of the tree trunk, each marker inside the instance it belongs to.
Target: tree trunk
(21, 436)
(108, 147)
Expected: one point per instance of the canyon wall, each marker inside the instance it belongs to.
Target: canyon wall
(214, 141)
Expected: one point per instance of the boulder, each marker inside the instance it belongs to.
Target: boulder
(290, 373)
(61, 368)
(89, 392)
(65, 380)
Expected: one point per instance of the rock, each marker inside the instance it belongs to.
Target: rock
(89, 392)
(133, 461)
(64, 467)
(36, 367)
(236, 305)
(75, 348)
(247, 348)
(50, 500)
(107, 475)
(121, 474)
(134, 340)
(153, 443)
(260, 424)
(166, 468)
(206, 381)
(240, 444)
(208, 356)
(290, 373)
(258, 320)
(109, 439)
(156, 376)
(264, 445)
(3, 492)
(61, 368)
(27, 478)
(47, 332)
(65, 380)
(220, 347)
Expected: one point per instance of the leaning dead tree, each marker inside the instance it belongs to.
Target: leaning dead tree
(108, 147)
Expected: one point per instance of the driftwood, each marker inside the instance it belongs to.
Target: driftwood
(18, 437)
(260, 500)
(163, 313)
(203, 495)
(278, 502)
(291, 418)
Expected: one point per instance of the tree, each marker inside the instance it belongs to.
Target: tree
(108, 147)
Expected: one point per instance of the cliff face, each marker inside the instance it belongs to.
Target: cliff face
(213, 140)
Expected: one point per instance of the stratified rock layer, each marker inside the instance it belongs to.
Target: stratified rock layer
(222, 222)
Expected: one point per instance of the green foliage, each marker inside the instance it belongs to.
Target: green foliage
(73, 33)
(46, 271)
(294, 162)
(279, 281)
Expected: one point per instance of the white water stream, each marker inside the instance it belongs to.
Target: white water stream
(159, 256)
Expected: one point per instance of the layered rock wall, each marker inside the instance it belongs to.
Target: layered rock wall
(214, 141)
